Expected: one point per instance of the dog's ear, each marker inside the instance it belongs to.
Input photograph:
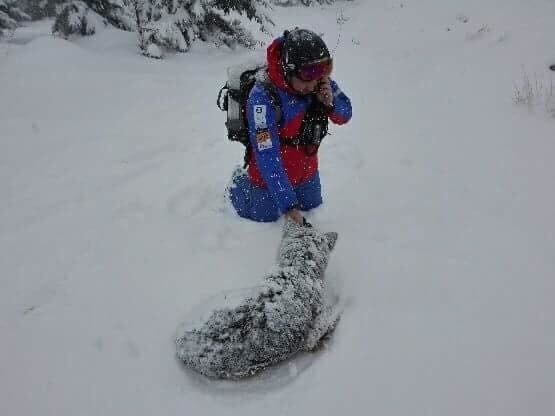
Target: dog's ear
(332, 239)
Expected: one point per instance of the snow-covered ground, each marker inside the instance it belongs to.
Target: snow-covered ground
(113, 224)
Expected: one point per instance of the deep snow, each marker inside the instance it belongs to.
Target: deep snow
(113, 224)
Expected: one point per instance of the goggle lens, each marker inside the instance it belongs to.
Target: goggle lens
(315, 71)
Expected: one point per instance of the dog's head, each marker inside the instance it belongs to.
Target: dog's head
(303, 246)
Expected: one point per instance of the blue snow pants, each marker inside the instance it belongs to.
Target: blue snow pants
(257, 204)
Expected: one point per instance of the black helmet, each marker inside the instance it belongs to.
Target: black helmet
(302, 47)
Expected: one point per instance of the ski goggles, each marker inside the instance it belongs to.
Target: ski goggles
(316, 70)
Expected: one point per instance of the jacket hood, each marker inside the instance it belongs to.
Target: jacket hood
(275, 71)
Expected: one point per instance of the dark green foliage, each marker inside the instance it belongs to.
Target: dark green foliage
(176, 24)
(302, 2)
(116, 12)
(74, 19)
(39, 9)
(80, 17)
(10, 16)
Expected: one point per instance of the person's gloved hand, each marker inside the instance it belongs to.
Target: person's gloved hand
(295, 215)
(324, 92)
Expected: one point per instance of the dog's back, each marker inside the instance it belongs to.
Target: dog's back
(283, 318)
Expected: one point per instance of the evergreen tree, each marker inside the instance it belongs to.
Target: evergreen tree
(302, 2)
(75, 18)
(299, 2)
(116, 12)
(176, 24)
(81, 16)
(39, 9)
(10, 16)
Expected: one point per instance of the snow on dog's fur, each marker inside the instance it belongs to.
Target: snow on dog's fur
(288, 313)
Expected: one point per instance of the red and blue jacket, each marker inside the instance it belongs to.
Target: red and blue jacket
(274, 163)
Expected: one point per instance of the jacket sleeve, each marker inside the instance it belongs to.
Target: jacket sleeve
(264, 139)
(342, 110)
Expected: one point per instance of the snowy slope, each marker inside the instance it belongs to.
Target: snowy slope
(113, 224)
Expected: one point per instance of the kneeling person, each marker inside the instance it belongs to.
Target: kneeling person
(282, 175)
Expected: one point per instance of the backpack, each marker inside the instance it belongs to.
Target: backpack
(233, 97)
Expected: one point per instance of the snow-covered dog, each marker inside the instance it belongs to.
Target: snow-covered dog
(288, 313)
